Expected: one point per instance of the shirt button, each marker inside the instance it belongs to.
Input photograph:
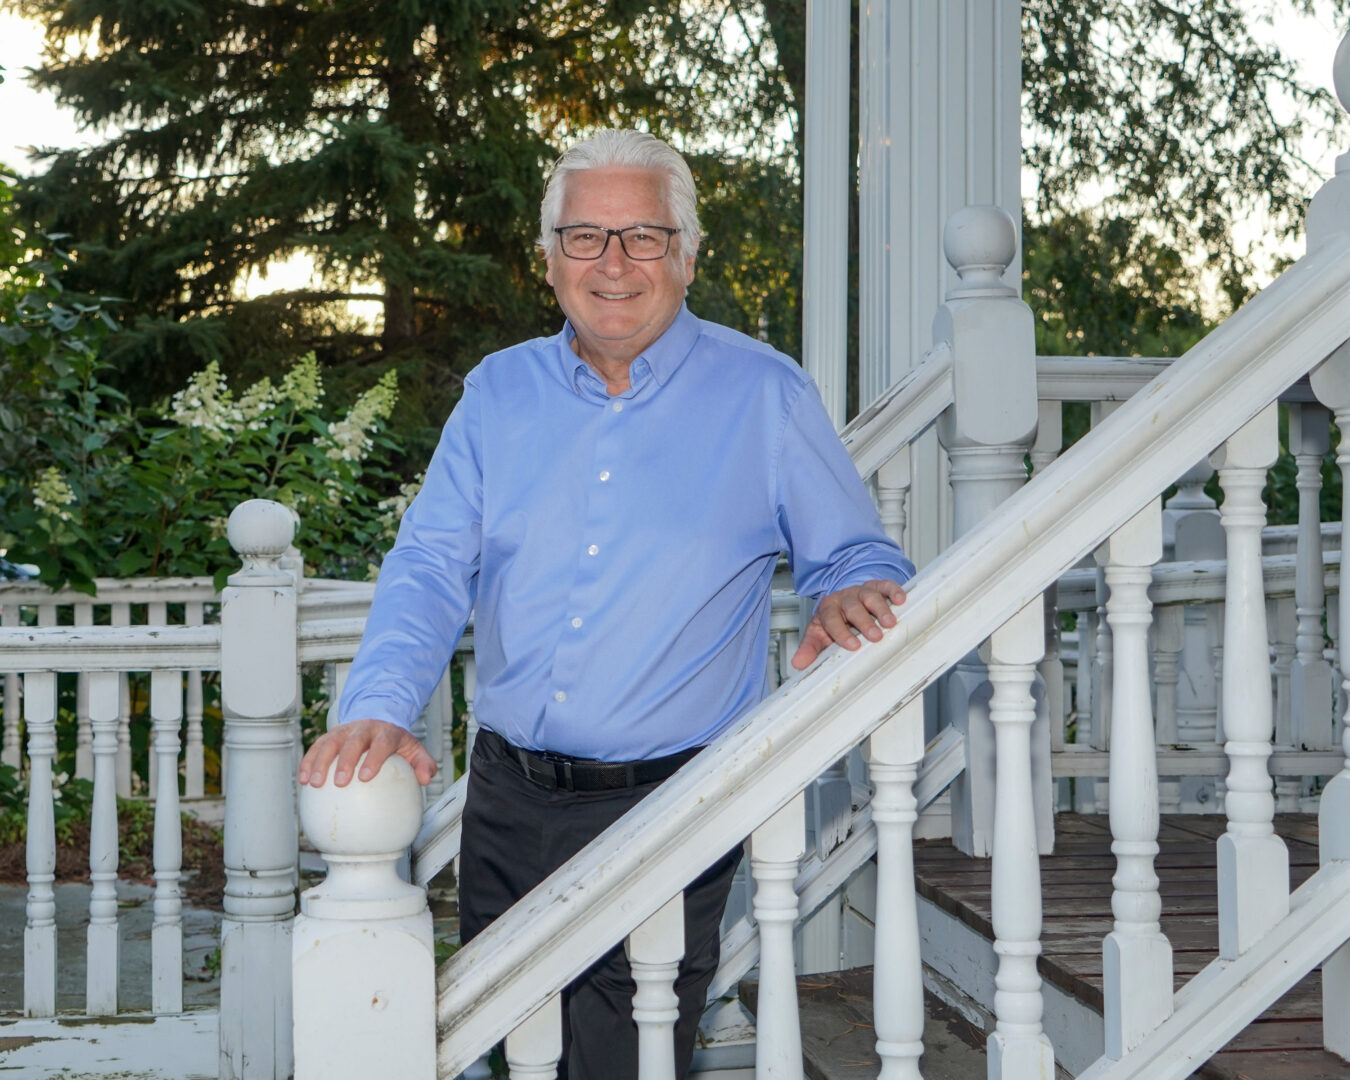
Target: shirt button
(560, 696)
(576, 624)
(617, 406)
(604, 476)
(594, 549)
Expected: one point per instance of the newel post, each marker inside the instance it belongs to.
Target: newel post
(364, 969)
(1329, 222)
(258, 692)
(987, 432)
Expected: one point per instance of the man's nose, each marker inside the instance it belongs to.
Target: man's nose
(613, 260)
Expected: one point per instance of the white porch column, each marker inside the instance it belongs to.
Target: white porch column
(825, 203)
(987, 432)
(1310, 675)
(940, 128)
(1328, 218)
(364, 970)
(258, 691)
(1253, 862)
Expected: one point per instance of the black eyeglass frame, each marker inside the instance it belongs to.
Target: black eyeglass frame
(561, 230)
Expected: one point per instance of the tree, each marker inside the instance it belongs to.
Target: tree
(400, 144)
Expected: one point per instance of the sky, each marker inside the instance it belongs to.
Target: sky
(29, 118)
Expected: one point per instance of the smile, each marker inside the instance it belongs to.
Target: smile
(615, 296)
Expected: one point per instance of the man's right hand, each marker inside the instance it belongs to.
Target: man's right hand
(377, 739)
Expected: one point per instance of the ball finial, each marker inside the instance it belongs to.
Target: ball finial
(980, 242)
(367, 817)
(261, 528)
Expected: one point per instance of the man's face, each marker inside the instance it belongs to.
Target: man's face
(618, 306)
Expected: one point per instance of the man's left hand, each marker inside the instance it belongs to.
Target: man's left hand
(841, 616)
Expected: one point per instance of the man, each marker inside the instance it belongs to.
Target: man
(611, 502)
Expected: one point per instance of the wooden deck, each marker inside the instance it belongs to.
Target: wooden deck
(1283, 1044)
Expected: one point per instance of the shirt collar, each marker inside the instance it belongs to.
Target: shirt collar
(661, 358)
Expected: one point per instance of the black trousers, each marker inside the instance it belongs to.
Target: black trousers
(515, 833)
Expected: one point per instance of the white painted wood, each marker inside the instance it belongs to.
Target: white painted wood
(11, 746)
(120, 615)
(1253, 862)
(654, 952)
(39, 935)
(825, 202)
(986, 433)
(892, 483)
(166, 714)
(1018, 1047)
(775, 849)
(84, 758)
(1025, 544)
(194, 756)
(534, 1047)
(1136, 955)
(1310, 676)
(1168, 637)
(471, 720)
(103, 936)
(157, 615)
(258, 685)
(1237, 991)
(363, 959)
(895, 750)
(1282, 620)
(898, 417)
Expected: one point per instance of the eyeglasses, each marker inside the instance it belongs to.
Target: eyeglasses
(640, 242)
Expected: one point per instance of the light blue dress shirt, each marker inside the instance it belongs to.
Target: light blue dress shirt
(618, 551)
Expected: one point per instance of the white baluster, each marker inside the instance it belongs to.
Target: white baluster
(1084, 801)
(654, 952)
(776, 848)
(894, 753)
(84, 758)
(166, 714)
(121, 616)
(533, 1049)
(11, 744)
(471, 720)
(39, 935)
(362, 959)
(1310, 677)
(156, 614)
(1049, 440)
(893, 480)
(194, 758)
(1168, 640)
(258, 688)
(102, 943)
(1282, 620)
(1018, 1047)
(1136, 956)
(1253, 862)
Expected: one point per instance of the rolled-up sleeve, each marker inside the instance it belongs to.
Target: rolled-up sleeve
(427, 584)
(831, 530)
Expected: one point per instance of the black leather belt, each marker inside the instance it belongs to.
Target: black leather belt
(558, 772)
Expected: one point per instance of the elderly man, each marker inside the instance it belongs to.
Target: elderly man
(611, 503)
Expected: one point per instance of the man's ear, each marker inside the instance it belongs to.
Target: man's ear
(688, 271)
(548, 269)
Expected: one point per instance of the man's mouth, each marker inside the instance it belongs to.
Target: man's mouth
(615, 295)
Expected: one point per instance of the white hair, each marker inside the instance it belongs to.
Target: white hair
(624, 148)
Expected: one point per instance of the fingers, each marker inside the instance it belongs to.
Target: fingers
(378, 740)
(841, 616)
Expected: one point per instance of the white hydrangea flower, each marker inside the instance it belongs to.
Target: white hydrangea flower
(393, 508)
(349, 438)
(302, 385)
(207, 404)
(52, 494)
(256, 402)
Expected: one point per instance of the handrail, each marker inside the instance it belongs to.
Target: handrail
(110, 648)
(1117, 378)
(972, 588)
(1196, 582)
(902, 413)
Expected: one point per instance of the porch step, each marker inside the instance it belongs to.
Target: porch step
(1283, 1044)
(839, 1042)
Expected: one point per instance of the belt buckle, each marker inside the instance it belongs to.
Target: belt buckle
(539, 771)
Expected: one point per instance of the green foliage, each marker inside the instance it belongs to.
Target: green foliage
(145, 493)
(72, 804)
